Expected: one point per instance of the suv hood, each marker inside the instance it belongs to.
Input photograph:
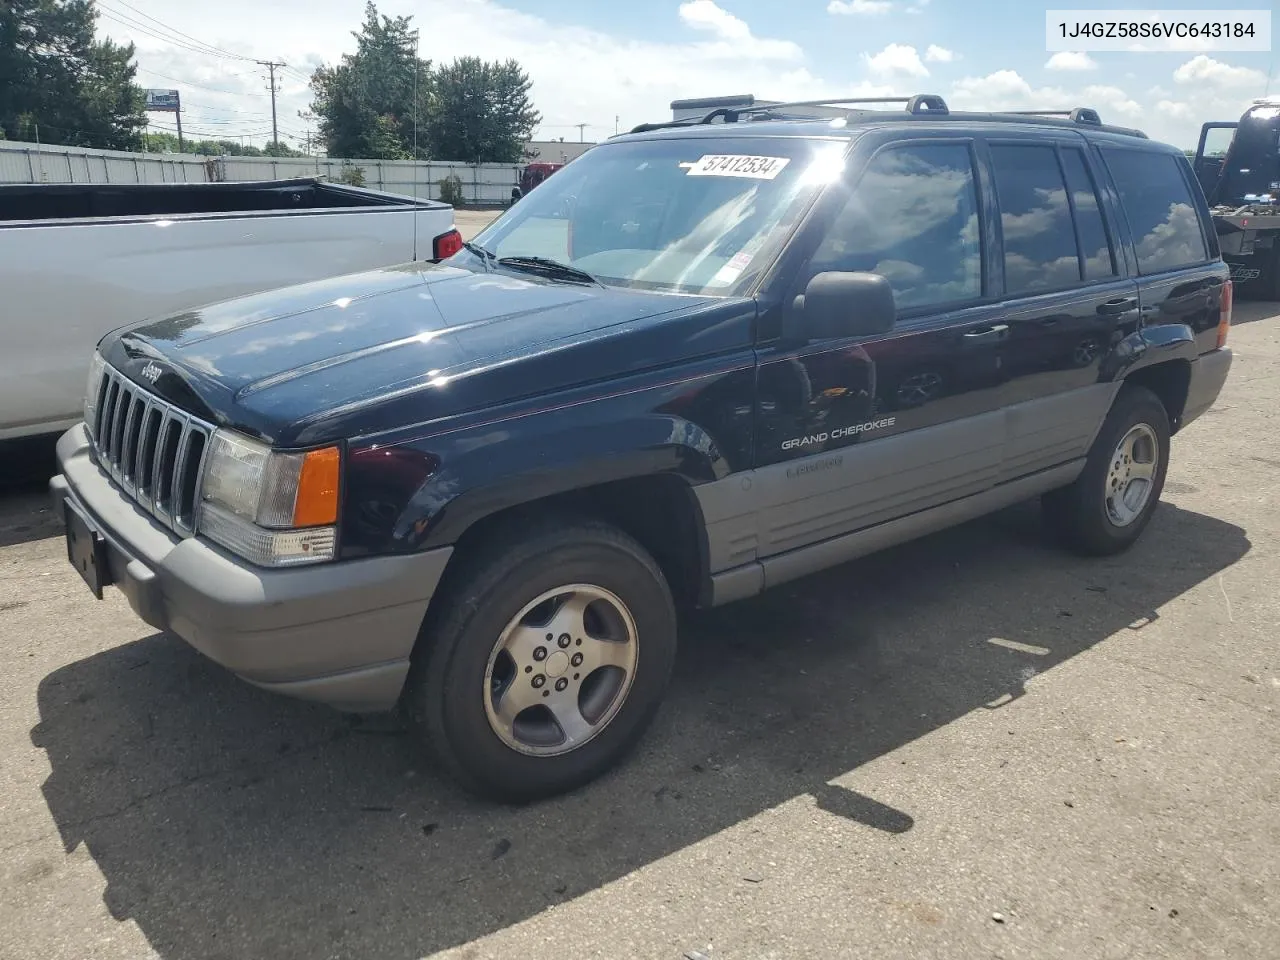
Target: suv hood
(310, 363)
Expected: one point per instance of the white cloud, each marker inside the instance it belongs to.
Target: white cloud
(937, 54)
(1004, 90)
(848, 8)
(1007, 90)
(705, 15)
(1176, 109)
(1071, 60)
(733, 32)
(1206, 70)
(1111, 100)
(896, 60)
(1159, 113)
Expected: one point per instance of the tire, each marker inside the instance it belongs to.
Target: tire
(460, 681)
(1082, 515)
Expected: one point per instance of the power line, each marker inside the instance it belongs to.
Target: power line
(126, 21)
(93, 142)
(212, 134)
(230, 93)
(174, 30)
(211, 106)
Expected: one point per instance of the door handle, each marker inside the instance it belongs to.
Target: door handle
(1121, 305)
(998, 330)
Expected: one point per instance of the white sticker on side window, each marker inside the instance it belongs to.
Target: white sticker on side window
(737, 165)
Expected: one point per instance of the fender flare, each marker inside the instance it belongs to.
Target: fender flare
(475, 484)
(1148, 347)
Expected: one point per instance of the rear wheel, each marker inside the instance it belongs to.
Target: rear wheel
(546, 662)
(1111, 502)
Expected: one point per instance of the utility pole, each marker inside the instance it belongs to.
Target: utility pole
(271, 66)
(581, 127)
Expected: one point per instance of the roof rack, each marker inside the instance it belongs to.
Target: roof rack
(731, 109)
(1075, 115)
(915, 104)
(923, 105)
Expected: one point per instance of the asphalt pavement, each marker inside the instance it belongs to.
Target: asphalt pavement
(971, 746)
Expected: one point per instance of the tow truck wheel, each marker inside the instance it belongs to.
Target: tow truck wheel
(546, 660)
(1109, 505)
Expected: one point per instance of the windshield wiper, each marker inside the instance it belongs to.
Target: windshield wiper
(552, 268)
(486, 256)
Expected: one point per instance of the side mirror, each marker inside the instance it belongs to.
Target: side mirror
(837, 305)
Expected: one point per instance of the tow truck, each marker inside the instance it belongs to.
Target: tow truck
(1242, 186)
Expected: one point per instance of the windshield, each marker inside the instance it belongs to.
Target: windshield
(1253, 161)
(700, 215)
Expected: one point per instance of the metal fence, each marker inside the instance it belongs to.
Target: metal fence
(483, 183)
(33, 163)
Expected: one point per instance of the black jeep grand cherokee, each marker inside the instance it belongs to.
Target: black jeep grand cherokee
(701, 360)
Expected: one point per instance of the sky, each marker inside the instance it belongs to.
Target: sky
(612, 65)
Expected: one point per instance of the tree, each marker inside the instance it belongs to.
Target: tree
(279, 149)
(56, 77)
(167, 143)
(481, 111)
(469, 110)
(365, 105)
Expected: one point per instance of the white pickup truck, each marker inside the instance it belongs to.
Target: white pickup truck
(79, 260)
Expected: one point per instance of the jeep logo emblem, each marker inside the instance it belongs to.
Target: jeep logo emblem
(151, 373)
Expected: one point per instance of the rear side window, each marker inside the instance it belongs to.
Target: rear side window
(1035, 215)
(1162, 214)
(913, 219)
(1099, 263)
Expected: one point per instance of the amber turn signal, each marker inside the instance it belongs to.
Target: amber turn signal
(317, 502)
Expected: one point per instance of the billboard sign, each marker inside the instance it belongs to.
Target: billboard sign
(162, 101)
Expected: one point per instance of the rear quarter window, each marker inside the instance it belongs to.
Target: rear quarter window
(1162, 215)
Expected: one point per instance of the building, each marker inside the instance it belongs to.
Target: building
(557, 151)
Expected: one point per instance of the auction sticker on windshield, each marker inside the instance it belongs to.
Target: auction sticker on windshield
(737, 165)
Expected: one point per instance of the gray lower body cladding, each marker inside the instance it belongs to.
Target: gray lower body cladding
(773, 524)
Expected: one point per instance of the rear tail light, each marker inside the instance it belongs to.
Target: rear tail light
(446, 245)
(1224, 314)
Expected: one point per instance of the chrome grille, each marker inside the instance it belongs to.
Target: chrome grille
(152, 450)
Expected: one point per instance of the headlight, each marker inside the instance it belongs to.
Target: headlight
(92, 389)
(274, 509)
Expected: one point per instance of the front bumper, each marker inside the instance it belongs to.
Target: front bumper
(1208, 374)
(339, 633)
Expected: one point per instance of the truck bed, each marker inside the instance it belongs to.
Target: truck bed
(78, 260)
(85, 201)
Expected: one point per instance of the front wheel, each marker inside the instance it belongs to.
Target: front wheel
(546, 662)
(1111, 502)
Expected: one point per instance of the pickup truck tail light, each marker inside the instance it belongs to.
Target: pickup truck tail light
(1224, 315)
(446, 245)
